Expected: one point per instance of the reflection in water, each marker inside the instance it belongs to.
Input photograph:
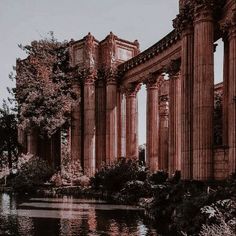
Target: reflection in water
(69, 216)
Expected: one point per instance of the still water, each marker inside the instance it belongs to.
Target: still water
(70, 216)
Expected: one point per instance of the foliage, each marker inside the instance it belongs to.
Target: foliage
(31, 174)
(159, 177)
(71, 171)
(221, 219)
(113, 178)
(8, 135)
(44, 85)
(179, 204)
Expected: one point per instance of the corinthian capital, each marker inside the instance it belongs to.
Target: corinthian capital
(154, 81)
(173, 68)
(132, 89)
(228, 26)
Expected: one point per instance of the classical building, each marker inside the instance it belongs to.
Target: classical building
(191, 123)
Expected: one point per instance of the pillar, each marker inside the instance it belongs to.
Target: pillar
(174, 122)
(76, 126)
(100, 123)
(32, 141)
(89, 125)
(164, 133)
(203, 95)
(152, 145)
(121, 124)
(187, 102)
(225, 91)
(232, 98)
(132, 121)
(111, 120)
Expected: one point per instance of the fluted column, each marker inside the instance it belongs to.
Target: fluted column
(203, 96)
(76, 127)
(163, 136)
(89, 125)
(152, 157)
(232, 96)
(32, 141)
(100, 122)
(121, 123)
(174, 122)
(111, 119)
(225, 91)
(132, 121)
(187, 102)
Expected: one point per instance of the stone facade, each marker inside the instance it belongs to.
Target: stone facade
(191, 123)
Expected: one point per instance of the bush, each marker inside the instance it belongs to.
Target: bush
(113, 178)
(31, 174)
(159, 177)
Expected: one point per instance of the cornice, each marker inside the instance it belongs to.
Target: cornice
(151, 52)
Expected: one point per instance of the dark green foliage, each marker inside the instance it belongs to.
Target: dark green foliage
(8, 136)
(113, 178)
(31, 175)
(159, 177)
(180, 203)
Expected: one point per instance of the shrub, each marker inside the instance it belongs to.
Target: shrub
(159, 177)
(31, 174)
(113, 178)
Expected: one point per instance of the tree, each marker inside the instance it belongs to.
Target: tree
(44, 90)
(8, 134)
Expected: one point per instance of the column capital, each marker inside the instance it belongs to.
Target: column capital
(228, 26)
(184, 20)
(88, 76)
(203, 10)
(173, 68)
(154, 81)
(132, 89)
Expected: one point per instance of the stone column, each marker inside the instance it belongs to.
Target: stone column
(76, 126)
(132, 121)
(203, 95)
(164, 133)
(121, 125)
(187, 102)
(111, 119)
(232, 95)
(100, 122)
(32, 141)
(89, 124)
(152, 157)
(225, 91)
(174, 119)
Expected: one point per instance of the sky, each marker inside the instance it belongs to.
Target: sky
(22, 21)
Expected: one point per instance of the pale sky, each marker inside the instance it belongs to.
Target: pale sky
(22, 21)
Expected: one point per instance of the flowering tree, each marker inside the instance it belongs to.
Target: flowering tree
(44, 88)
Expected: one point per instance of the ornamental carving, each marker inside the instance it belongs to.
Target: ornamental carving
(173, 69)
(228, 26)
(87, 76)
(132, 89)
(218, 118)
(154, 81)
(184, 19)
(89, 52)
(164, 106)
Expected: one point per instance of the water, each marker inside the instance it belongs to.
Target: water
(70, 216)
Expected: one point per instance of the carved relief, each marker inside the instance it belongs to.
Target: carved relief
(89, 51)
(154, 81)
(218, 118)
